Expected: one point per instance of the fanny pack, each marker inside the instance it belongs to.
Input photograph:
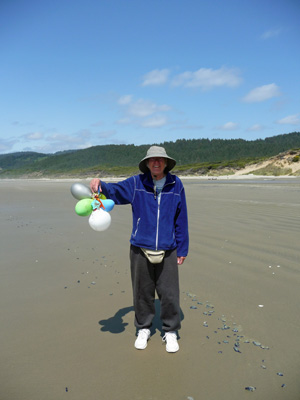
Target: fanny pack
(154, 256)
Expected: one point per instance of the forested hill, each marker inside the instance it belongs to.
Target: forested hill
(186, 152)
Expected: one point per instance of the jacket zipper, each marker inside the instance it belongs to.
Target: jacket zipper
(137, 227)
(158, 211)
(157, 221)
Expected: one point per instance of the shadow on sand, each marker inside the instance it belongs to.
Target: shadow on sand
(116, 324)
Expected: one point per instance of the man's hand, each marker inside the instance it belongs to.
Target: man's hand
(95, 184)
(180, 260)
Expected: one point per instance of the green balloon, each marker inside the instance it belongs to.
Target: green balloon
(84, 207)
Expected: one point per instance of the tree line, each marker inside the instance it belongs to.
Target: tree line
(185, 151)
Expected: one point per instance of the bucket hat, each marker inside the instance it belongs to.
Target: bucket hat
(156, 151)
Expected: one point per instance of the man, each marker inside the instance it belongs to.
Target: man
(159, 241)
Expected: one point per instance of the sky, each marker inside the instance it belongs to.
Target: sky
(80, 73)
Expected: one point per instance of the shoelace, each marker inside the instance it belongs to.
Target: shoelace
(170, 336)
(143, 334)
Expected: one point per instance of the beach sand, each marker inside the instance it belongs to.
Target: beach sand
(66, 304)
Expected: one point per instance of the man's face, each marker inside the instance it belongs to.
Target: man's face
(157, 166)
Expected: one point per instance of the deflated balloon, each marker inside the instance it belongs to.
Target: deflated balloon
(80, 191)
(108, 204)
(99, 220)
(84, 207)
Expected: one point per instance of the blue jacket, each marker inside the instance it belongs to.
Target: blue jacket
(157, 225)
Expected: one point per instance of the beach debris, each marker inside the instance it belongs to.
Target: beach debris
(264, 347)
(225, 327)
(190, 398)
(190, 294)
(236, 348)
(67, 389)
(283, 385)
(279, 373)
(250, 388)
(234, 327)
(256, 343)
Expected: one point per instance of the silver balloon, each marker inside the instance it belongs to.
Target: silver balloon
(80, 191)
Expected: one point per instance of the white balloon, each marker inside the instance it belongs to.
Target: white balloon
(99, 220)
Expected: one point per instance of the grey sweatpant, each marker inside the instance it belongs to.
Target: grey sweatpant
(146, 278)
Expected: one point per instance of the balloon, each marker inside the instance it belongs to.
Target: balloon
(84, 207)
(80, 191)
(99, 220)
(108, 204)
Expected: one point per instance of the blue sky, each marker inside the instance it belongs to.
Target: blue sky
(79, 73)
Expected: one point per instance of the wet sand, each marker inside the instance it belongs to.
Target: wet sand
(66, 305)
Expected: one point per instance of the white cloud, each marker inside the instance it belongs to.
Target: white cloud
(34, 136)
(6, 145)
(106, 134)
(142, 112)
(290, 120)
(143, 108)
(184, 126)
(124, 100)
(96, 124)
(262, 93)
(78, 138)
(60, 137)
(255, 128)
(83, 134)
(156, 77)
(270, 33)
(154, 122)
(229, 126)
(207, 78)
(124, 121)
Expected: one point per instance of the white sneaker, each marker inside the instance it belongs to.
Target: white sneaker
(171, 342)
(142, 339)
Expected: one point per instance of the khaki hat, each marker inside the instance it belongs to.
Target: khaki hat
(156, 151)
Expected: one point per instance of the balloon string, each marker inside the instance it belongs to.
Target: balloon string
(96, 197)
